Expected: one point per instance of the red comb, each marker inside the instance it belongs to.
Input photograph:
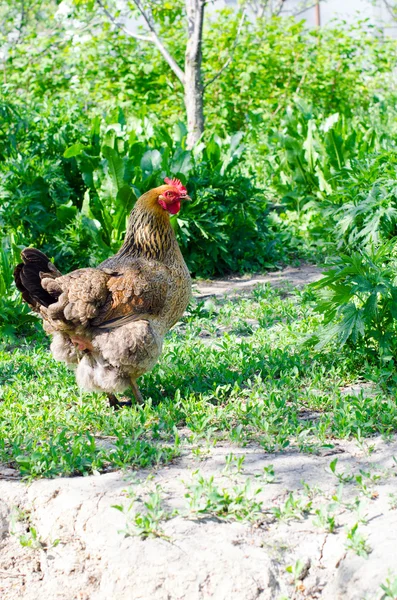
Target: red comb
(176, 184)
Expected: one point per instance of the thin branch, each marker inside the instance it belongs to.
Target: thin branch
(62, 42)
(279, 8)
(261, 7)
(233, 48)
(392, 10)
(21, 24)
(300, 12)
(137, 36)
(158, 42)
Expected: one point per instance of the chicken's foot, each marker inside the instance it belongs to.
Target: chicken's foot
(115, 403)
(137, 394)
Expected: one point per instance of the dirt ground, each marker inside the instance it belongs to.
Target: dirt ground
(62, 539)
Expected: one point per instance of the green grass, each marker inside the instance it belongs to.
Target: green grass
(250, 380)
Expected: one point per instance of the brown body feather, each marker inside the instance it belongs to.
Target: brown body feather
(110, 321)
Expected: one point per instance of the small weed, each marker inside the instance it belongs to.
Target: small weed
(389, 588)
(342, 477)
(359, 506)
(299, 571)
(201, 453)
(294, 508)
(21, 527)
(337, 498)
(310, 492)
(363, 486)
(393, 501)
(144, 523)
(239, 503)
(31, 539)
(325, 519)
(357, 542)
(268, 474)
(234, 462)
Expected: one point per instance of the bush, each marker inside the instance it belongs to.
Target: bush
(40, 191)
(219, 232)
(358, 300)
(15, 315)
(367, 211)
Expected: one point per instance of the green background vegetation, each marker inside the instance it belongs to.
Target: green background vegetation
(298, 161)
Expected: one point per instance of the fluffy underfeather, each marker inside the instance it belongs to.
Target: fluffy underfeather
(93, 374)
(62, 349)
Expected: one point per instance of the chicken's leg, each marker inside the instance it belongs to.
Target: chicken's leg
(137, 394)
(115, 403)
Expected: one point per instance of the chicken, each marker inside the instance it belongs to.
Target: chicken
(109, 322)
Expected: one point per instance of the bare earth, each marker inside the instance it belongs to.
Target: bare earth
(79, 550)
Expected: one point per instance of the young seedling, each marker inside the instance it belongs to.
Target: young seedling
(389, 588)
(342, 477)
(268, 474)
(145, 523)
(393, 501)
(201, 453)
(324, 518)
(239, 504)
(234, 462)
(364, 487)
(299, 571)
(30, 537)
(294, 508)
(310, 492)
(359, 506)
(357, 542)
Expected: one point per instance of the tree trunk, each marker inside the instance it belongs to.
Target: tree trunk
(194, 92)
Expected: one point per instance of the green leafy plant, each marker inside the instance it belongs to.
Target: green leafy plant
(233, 462)
(358, 299)
(389, 588)
(299, 570)
(15, 315)
(145, 523)
(342, 477)
(239, 503)
(365, 204)
(325, 519)
(268, 474)
(357, 542)
(227, 219)
(294, 508)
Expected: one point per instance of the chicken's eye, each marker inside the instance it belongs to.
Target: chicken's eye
(168, 194)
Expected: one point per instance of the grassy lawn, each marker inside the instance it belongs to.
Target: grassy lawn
(233, 369)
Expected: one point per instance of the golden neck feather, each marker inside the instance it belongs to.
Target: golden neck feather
(149, 232)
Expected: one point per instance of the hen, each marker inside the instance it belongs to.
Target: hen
(109, 322)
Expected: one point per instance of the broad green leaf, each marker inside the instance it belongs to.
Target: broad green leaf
(73, 150)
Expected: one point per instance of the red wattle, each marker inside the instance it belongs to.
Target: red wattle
(174, 208)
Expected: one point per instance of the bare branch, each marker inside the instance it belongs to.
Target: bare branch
(261, 7)
(64, 41)
(279, 7)
(229, 60)
(392, 10)
(147, 16)
(296, 14)
(137, 36)
(21, 24)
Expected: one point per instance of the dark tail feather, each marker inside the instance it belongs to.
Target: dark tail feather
(28, 280)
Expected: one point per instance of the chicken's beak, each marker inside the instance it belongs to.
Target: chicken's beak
(185, 199)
